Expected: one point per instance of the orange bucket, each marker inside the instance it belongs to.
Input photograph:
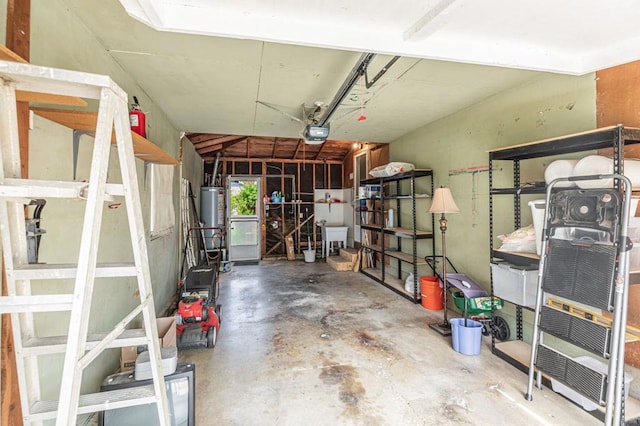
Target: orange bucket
(432, 294)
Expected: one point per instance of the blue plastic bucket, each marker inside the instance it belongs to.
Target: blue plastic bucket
(466, 339)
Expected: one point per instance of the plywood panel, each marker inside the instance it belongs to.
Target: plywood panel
(379, 156)
(618, 102)
(618, 95)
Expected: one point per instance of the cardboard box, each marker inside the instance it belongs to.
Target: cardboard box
(128, 357)
(167, 331)
(166, 334)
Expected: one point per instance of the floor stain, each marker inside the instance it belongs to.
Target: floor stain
(314, 278)
(455, 409)
(277, 341)
(370, 342)
(325, 319)
(377, 306)
(351, 391)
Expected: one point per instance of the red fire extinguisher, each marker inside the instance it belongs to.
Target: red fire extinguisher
(138, 119)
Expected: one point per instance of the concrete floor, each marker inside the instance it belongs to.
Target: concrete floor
(303, 344)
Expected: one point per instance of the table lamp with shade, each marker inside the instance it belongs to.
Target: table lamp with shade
(443, 203)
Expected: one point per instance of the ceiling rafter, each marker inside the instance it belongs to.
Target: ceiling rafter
(220, 147)
(322, 147)
(265, 147)
(212, 142)
(295, 154)
(202, 137)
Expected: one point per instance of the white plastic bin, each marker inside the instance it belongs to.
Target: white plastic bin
(513, 284)
(578, 398)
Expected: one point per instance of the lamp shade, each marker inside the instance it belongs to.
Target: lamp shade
(443, 202)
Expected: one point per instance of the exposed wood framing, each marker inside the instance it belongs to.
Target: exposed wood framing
(18, 35)
(214, 142)
(220, 147)
(322, 147)
(277, 160)
(300, 143)
(281, 148)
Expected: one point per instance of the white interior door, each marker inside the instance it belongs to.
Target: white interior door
(243, 211)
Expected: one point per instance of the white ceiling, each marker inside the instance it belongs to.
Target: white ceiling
(569, 36)
(212, 84)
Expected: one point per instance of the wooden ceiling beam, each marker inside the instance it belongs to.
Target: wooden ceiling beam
(203, 137)
(219, 139)
(295, 154)
(275, 147)
(263, 138)
(212, 142)
(220, 147)
(320, 150)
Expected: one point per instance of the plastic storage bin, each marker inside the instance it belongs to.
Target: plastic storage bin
(578, 398)
(513, 284)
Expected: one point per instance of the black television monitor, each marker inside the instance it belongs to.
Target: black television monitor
(181, 395)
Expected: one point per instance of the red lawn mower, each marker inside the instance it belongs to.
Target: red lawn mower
(198, 314)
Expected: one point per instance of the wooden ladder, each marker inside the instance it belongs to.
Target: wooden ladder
(79, 347)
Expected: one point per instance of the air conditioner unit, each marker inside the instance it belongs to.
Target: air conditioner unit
(314, 134)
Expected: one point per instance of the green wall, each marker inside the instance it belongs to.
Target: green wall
(546, 106)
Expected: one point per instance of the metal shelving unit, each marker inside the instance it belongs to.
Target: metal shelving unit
(516, 352)
(380, 236)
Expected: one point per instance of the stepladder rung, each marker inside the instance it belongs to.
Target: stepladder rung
(58, 344)
(91, 403)
(34, 188)
(39, 303)
(42, 271)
